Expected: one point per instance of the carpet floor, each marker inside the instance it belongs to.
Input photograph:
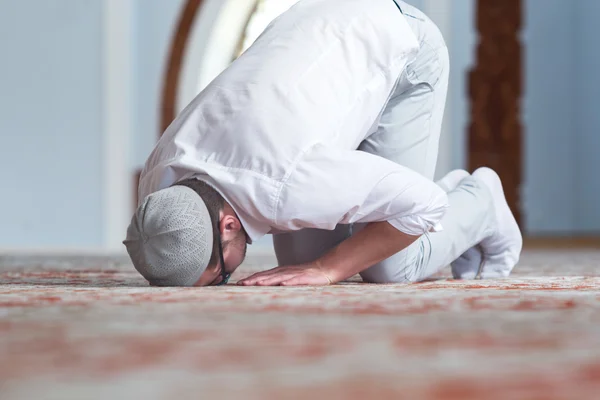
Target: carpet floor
(90, 328)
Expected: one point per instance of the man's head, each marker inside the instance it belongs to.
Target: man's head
(179, 235)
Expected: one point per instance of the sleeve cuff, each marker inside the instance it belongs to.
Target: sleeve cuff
(417, 225)
(414, 226)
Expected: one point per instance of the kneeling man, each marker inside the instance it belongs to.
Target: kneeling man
(325, 134)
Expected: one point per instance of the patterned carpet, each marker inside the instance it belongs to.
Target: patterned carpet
(90, 328)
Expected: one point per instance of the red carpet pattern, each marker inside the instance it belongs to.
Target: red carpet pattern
(77, 327)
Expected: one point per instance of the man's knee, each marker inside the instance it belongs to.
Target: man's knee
(392, 271)
(477, 189)
(382, 278)
(483, 209)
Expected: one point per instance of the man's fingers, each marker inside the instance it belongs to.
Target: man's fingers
(276, 279)
(285, 276)
(249, 280)
(256, 280)
(306, 280)
(295, 281)
(252, 279)
(260, 276)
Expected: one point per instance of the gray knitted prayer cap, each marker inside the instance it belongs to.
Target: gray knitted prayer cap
(170, 237)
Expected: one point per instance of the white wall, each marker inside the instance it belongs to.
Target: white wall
(587, 115)
(51, 123)
(155, 22)
(462, 57)
(118, 106)
(548, 114)
(81, 83)
(562, 188)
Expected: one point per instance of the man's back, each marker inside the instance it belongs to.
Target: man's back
(320, 74)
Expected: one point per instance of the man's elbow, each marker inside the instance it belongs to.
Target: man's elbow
(434, 214)
(427, 215)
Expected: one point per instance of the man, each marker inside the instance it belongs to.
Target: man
(324, 133)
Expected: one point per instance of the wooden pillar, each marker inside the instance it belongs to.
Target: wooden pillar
(495, 90)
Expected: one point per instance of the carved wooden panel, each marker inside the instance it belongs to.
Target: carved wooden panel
(495, 90)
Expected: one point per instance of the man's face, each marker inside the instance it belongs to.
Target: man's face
(234, 252)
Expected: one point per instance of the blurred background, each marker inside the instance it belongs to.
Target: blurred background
(87, 87)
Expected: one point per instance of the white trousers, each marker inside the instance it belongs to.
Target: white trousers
(408, 134)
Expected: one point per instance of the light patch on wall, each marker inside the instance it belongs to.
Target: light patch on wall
(265, 12)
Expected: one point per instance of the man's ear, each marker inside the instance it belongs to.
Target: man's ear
(230, 224)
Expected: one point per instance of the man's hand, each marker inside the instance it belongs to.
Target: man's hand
(295, 275)
(376, 242)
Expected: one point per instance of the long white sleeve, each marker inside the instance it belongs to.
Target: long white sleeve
(331, 186)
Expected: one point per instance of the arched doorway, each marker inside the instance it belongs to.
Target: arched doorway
(226, 31)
